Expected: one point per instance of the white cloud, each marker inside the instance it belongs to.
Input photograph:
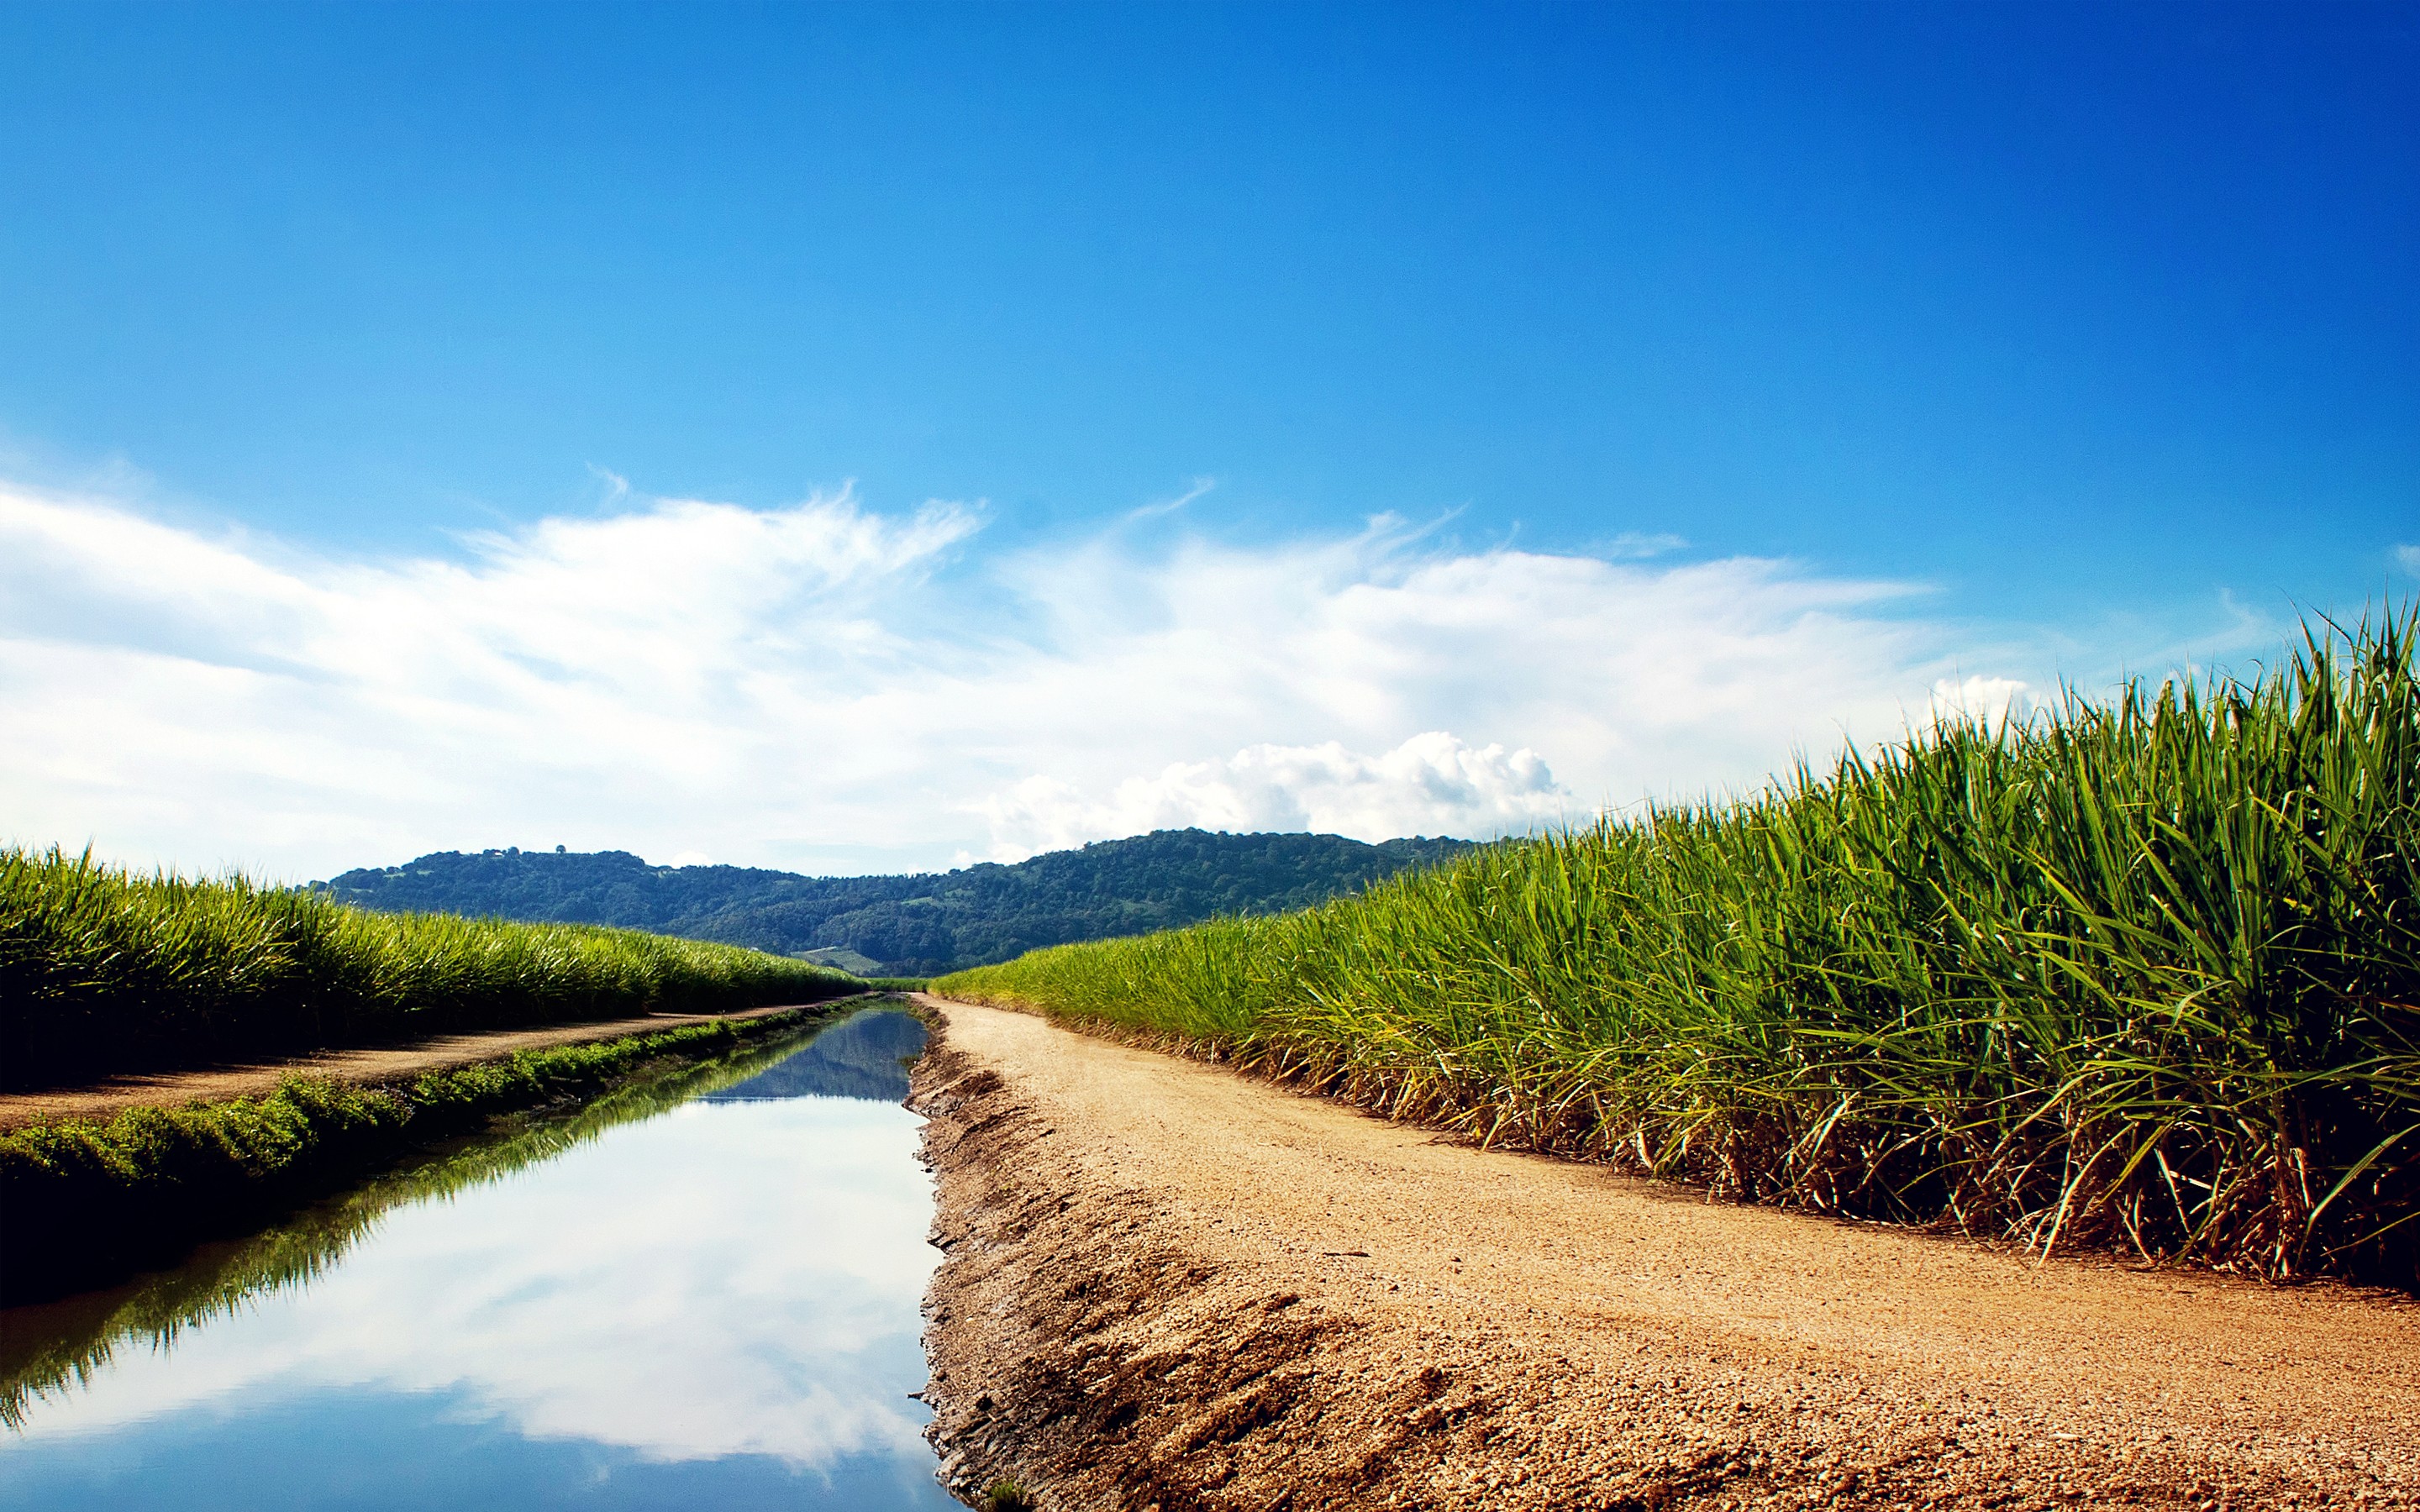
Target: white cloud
(2408, 555)
(1992, 699)
(1169, 506)
(1430, 783)
(828, 688)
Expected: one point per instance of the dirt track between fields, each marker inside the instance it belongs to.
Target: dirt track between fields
(384, 1063)
(1169, 1286)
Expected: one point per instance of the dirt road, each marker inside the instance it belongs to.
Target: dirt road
(1170, 1285)
(384, 1063)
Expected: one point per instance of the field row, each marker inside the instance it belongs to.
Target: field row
(2142, 974)
(103, 969)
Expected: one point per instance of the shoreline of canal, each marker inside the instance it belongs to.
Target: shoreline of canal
(1167, 1284)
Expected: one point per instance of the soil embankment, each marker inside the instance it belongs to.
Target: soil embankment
(1169, 1286)
(361, 1068)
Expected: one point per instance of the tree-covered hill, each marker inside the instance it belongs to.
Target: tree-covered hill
(905, 925)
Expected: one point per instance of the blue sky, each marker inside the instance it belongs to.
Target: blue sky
(2022, 342)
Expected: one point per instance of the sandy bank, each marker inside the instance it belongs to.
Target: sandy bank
(1169, 1286)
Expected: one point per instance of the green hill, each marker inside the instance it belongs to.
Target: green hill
(904, 925)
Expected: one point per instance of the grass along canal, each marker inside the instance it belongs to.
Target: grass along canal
(702, 1289)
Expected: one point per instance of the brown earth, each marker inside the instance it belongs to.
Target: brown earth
(382, 1063)
(1168, 1286)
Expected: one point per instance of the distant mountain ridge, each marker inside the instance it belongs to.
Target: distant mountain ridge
(920, 925)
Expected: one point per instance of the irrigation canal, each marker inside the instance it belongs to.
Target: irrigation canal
(702, 1291)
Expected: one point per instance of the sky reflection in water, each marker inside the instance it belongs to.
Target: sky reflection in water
(716, 1305)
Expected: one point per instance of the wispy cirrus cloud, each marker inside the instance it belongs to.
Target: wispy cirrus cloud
(829, 687)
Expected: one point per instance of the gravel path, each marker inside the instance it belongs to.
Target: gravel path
(1170, 1285)
(384, 1063)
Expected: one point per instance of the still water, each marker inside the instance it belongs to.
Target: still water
(701, 1292)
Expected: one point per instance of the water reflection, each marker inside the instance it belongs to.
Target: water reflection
(867, 1056)
(45, 1348)
(641, 1306)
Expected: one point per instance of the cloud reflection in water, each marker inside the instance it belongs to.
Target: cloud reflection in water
(736, 1278)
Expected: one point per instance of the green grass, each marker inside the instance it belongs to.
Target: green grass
(107, 1196)
(2141, 975)
(1005, 1496)
(103, 969)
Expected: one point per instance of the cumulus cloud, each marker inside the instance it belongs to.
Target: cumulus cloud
(2408, 555)
(1991, 699)
(1430, 783)
(828, 687)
